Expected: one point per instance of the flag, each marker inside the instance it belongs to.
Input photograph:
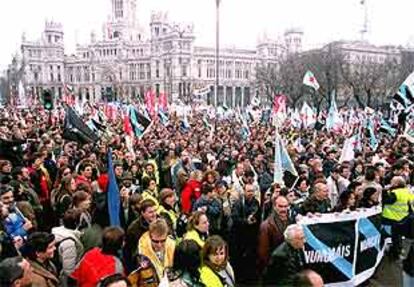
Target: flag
(409, 132)
(307, 115)
(348, 150)
(255, 101)
(279, 104)
(76, 130)
(114, 199)
(265, 116)
(334, 121)
(111, 111)
(310, 80)
(245, 131)
(404, 95)
(295, 118)
(207, 125)
(127, 124)
(283, 162)
(68, 97)
(163, 102)
(373, 142)
(139, 122)
(150, 102)
(385, 127)
(184, 125)
(225, 107)
(163, 117)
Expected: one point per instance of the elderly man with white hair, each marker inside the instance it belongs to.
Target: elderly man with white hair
(286, 260)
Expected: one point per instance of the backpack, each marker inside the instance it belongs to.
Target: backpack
(57, 258)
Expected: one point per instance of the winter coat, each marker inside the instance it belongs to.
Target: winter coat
(191, 192)
(212, 278)
(80, 179)
(196, 236)
(170, 215)
(134, 232)
(313, 205)
(214, 210)
(94, 266)
(70, 250)
(42, 276)
(285, 262)
(270, 237)
(145, 248)
(184, 280)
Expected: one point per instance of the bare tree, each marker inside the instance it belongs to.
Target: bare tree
(281, 77)
(371, 79)
(325, 65)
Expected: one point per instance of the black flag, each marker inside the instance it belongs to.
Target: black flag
(76, 130)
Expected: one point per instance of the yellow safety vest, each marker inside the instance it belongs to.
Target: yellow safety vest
(399, 209)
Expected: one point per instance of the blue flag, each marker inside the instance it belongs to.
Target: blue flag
(163, 117)
(373, 142)
(385, 127)
(114, 199)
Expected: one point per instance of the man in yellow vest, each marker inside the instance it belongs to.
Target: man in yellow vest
(396, 209)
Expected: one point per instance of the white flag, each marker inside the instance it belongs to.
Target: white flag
(310, 80)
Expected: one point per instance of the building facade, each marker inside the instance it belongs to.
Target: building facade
(128, 60)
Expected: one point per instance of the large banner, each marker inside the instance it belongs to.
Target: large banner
(344, 248)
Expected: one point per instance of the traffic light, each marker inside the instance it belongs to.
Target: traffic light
(47, 100)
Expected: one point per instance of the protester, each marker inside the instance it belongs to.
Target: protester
(198, 228)
(318, 202)
(100, 262)
(16, 272)
(245, 217)
(39, 250)
(157, 246)
(396, 208)
(187, 261)
(308, 278)
(271, 231)
(69, 245)
(216, 270)
(287, 260)
(212, 176)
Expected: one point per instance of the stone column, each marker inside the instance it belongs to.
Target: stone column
(242, 96)
(224, 95)
(233, 97)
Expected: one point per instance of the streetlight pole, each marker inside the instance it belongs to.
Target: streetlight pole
(217, 51)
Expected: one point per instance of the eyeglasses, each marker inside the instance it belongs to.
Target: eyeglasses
(158, 241)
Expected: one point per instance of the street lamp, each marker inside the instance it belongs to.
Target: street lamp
(181, 33)
(217, 50)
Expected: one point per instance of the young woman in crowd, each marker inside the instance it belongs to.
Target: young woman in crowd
(216, 270)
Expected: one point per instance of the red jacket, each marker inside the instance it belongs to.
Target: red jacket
(191, 192)
(95, 266)
(81, 179)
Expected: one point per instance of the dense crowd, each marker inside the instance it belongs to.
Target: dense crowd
(198, 206)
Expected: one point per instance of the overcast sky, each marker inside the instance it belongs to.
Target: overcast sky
(241, 20)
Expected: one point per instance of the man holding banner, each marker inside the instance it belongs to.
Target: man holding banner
(287, 260)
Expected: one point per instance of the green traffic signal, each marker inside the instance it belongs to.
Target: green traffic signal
(48, 100)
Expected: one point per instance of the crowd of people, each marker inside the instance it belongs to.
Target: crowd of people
(198, 207)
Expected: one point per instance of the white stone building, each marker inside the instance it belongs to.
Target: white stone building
(128, 60)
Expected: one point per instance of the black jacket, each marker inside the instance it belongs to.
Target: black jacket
(285, 262)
